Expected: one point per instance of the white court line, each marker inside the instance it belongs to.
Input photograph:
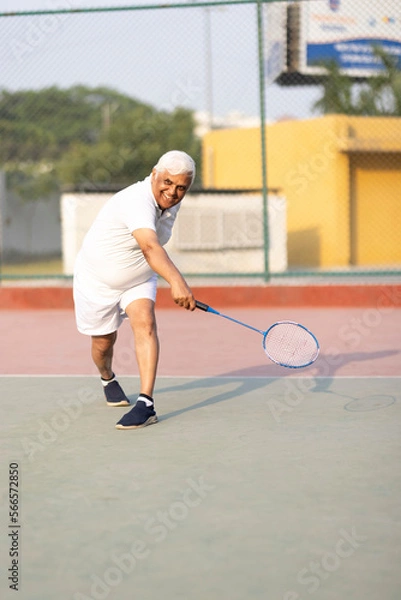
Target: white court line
(50, 376)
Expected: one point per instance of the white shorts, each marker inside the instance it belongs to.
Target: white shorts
(100, 310)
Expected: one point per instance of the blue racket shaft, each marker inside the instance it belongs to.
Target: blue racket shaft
(286, 343)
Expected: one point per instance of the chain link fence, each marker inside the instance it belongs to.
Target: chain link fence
(292, 111)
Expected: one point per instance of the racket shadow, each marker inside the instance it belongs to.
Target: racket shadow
(328, 365)
(361, 399)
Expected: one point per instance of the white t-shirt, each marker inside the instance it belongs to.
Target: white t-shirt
(110, 255)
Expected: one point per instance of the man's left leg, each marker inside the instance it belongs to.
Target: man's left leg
(141, 314)
(102, 355)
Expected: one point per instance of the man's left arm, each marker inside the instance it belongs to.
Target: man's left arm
(160, 263)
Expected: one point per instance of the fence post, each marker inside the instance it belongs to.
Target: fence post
(263, 141)
(3, 192)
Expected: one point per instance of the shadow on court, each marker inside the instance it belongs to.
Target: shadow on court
(239, 389)
(248, 488)
(326, 365)
(257, 379)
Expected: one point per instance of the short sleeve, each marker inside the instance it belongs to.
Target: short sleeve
(137, 209)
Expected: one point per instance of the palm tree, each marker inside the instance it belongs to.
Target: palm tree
(379, 95)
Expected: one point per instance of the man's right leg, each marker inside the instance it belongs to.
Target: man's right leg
(141, 314)
(102, 355)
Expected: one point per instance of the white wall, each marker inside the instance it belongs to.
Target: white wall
(29, 228)
(224, 233)
(78, 211)
(214, 233)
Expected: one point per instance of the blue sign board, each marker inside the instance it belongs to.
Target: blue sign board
(347, 31)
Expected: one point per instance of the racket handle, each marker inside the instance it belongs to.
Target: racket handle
(201, 306)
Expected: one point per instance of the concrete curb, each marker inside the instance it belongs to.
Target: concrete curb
(381, 296)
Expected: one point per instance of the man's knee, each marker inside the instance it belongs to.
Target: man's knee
(144, 324)
(142, 316)
(104, 343)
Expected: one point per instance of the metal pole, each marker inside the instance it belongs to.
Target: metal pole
(2, 208)
(209, 67)
(50, 11)
(263, 141)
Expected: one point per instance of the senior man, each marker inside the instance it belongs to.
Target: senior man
(115, 277)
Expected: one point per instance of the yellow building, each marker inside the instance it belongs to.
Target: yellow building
(341, 177)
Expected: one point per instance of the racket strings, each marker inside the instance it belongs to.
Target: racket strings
(290, 345)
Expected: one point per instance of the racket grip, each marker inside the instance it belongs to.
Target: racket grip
(201, 305)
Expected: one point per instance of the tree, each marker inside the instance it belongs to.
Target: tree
(380, 95)
(84, 135)
(129, 148)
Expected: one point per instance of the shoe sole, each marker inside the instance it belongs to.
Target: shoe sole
(121, 403)
(150, 421)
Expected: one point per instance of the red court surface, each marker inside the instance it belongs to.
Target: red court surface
(354, 342)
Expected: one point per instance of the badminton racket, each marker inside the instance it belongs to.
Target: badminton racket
(286, 343)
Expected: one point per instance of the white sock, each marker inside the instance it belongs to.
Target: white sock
(107, 381)
(147, 399)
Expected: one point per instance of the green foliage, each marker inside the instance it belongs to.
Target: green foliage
(378, 96)
(85, 136)
(129, 147)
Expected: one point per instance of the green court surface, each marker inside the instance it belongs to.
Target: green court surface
(247, 489)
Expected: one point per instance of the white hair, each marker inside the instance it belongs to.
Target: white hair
(176, 163)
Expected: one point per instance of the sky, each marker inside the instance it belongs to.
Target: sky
(202, 59)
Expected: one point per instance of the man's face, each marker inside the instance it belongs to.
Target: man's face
(169, 189)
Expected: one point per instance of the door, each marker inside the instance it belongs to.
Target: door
(375, 209)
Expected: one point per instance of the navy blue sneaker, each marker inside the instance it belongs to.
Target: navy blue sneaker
(139, 416)
(115, 394)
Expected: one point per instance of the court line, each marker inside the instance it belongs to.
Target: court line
(52, 375)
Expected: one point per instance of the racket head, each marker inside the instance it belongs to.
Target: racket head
(290, 344)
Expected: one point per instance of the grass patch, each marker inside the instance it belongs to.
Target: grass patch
(45, 267)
